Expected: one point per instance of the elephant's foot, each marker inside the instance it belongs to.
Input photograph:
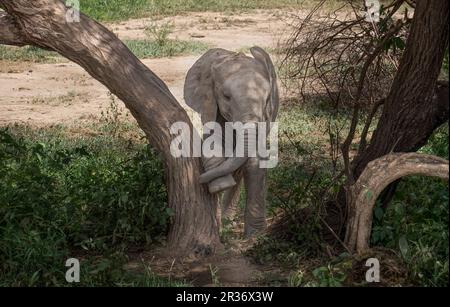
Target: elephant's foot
(220, 184)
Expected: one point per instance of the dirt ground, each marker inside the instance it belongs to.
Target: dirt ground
(46, 94)
(228, 267)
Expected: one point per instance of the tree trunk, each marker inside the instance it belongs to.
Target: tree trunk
(410, 114)
(416, 105)
(375, 177)
(43, 23)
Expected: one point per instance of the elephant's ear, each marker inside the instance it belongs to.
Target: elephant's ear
(263, 57)
(199, 85)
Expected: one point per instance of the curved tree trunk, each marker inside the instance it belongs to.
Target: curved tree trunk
(43, 23)
(376, 176)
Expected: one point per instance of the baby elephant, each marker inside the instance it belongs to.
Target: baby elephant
(224, 86)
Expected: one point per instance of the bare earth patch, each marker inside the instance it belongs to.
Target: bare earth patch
(228, 268)
(22, 83)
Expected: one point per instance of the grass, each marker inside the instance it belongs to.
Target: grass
(28, 54)
(116, 10)
(65, 100)
(143, 49)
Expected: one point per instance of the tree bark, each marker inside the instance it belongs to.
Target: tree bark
(440, 104)
(410, 114)
(376, 176)
(43, 23)
(417, 103)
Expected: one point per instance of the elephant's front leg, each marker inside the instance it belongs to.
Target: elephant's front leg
(255, 209)
(231, 196)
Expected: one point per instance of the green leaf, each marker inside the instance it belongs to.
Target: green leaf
(378, 213)
(403, 245)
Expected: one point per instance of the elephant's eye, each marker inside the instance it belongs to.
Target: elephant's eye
(227, 97)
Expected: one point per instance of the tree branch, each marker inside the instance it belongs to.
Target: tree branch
(374, 179)
(9, 32)
(345, 148)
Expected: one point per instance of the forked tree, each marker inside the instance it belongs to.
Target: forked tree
(43, 23)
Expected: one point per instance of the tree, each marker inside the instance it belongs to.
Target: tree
(410, 114)
(351, 61)
(43, 23)
(417, 103)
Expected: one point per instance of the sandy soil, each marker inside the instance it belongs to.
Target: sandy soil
(45, 94)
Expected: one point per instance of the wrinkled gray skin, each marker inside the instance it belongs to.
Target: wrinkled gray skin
(225, 86)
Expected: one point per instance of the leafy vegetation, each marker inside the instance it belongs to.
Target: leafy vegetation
(416, 222)
(415, 225)
(62, 196)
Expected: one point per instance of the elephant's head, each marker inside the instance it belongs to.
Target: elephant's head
(235, 86)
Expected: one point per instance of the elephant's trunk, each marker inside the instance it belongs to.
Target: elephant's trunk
(231, 164)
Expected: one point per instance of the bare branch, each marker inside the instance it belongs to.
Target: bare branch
(355, 118)
(327, 52)
(363, 139)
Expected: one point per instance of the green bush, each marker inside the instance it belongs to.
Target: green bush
(416, 222)
(60, 196)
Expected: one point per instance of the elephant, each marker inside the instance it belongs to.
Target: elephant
(225, 86)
